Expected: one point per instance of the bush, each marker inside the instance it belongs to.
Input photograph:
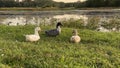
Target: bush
(93, 23)
(74, 23)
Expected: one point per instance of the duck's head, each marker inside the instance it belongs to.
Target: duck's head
(59, 24)
(37, 29)
(75, 32)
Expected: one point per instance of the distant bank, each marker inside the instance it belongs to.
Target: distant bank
(54, 8)
(40, 11)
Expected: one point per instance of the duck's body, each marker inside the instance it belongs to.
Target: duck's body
(54, 32)
(75, 38)
(33, 37)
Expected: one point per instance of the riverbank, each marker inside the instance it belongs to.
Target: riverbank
(53, 8)
(96, 49)
(34, 9)
(59, 11)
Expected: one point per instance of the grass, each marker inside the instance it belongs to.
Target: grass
(93, 23)
(96, 49)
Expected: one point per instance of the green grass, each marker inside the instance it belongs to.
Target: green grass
(96, 49)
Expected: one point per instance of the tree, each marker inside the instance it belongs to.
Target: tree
(102, 3)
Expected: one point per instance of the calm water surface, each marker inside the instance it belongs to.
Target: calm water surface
(47, 17)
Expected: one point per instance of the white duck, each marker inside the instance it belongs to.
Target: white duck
(75, 38)
(33, 37)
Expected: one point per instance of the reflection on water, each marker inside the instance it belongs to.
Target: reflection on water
(67, 17)
(18, 20)
(14, 20)
(23, 20)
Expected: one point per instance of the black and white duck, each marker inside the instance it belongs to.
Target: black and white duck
(54, 32)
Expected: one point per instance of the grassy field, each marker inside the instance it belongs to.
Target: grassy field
(96, 49)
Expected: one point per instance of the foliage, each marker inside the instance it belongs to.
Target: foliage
(93, 23)
(102, 3)
(113, 23)
(51, 3)
(74, 23)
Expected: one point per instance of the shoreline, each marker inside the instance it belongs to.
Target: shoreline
(76, 11)
(52, 8)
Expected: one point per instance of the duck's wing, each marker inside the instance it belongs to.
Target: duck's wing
(32, 37)
(52, 32)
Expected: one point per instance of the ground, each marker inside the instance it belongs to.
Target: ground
(96, 49)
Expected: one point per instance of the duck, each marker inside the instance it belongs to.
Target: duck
(33, 37)
(54, 32)
(75, 38)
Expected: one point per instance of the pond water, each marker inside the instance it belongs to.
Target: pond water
(14, 18)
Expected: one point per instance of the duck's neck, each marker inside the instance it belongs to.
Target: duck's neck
(36, 32)
(59, 29)
(75, 34)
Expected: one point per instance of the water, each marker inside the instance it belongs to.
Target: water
(14, 18)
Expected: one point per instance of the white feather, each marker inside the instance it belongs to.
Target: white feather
(75, 38)
(33, 37)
